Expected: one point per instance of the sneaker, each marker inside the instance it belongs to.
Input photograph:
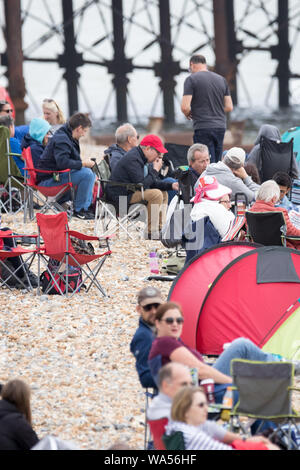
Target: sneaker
(84, 215)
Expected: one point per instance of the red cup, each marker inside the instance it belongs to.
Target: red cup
(209, 388)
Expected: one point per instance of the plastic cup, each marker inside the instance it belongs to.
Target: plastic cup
(209, 388)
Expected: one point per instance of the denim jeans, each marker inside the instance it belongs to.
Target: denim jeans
(213, 138)
(171, 192)
(83, 180)
(240, 348)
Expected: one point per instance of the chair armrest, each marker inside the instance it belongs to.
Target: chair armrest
(11, 154)
(130, 186)
(81, 236)
(46, 171)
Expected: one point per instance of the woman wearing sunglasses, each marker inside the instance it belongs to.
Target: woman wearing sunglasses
(168, 347)
(189, 416)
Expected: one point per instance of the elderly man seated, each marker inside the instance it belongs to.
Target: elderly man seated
(231, 172)
(134, 168)
(126, 138)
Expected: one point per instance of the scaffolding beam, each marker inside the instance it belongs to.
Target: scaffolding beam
(225, 43)
(14, 58)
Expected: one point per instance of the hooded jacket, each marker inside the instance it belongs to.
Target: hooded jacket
(15, 431)
(271, 133)
(116, 153)
(36, 148)
(225, 176)
(61, 153)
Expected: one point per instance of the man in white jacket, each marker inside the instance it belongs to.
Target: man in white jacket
(231, 173)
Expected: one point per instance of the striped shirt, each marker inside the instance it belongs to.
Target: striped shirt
(207, 436)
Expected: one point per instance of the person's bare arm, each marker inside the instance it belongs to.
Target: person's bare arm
(186, 106)
(228, 105)
(184, 356)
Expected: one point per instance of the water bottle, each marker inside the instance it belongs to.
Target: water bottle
(228, 398)
(227, 404)
(154, 268)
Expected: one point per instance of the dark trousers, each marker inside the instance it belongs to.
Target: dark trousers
(213, 138)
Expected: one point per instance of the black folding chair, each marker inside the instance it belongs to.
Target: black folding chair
(275, 156)
(267, 228)
(108, 216)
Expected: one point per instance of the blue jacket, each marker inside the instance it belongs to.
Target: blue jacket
(61, 153)
(140, 347)
(36, 148)
(116, 153)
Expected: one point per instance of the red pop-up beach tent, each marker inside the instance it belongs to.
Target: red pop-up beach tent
(251, 297)
(190, 287)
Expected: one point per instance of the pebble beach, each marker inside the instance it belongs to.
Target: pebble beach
(74, 352)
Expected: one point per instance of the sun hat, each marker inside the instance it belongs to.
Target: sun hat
(152, 140)
(210, 189)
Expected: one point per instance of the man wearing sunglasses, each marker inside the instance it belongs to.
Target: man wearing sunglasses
(149, 299)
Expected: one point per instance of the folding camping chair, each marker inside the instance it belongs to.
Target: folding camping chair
(107, 214)
(157, 429)
(267, 228)
(265, 393)
(48, 196)
(177, 154)
(10, 176)
(26, 257)
(57, 245)
(275, 156)
(149, 395)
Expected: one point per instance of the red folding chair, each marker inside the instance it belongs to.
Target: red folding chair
(57, 245)
(25, 257)
(157, 429)
(51, 194)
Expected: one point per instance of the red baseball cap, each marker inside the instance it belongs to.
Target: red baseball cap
(152, 140)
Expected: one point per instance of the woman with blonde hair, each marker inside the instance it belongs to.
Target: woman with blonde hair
(53, 114)
(189, 416)
(16, 431)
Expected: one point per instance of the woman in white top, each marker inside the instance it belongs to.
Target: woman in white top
(189, 416)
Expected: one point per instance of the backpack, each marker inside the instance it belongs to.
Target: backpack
(174, 263)
(58, 287)
(178, 217)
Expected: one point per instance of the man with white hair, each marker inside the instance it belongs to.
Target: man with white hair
(126, 138)
(231, 173)
(267, 196)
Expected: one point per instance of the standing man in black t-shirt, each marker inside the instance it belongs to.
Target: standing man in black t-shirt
(206, 100)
